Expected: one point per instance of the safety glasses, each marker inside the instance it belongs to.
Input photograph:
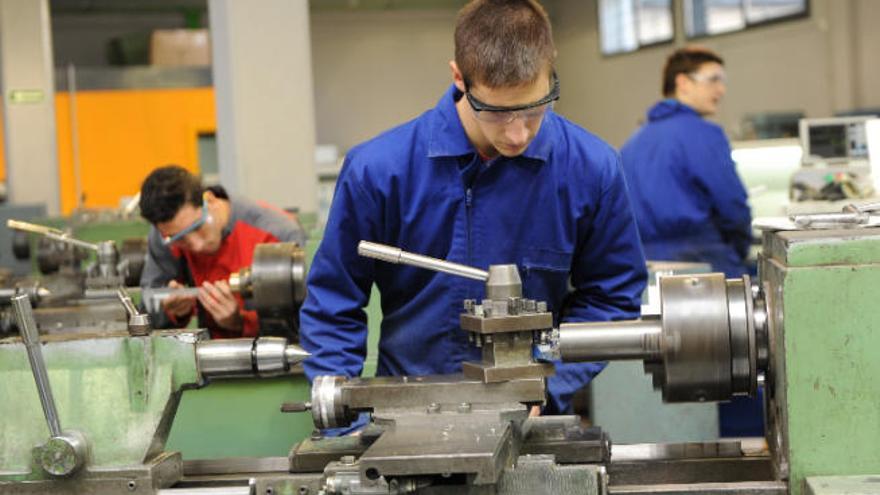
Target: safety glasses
(196, 225)
(716, 78)
(493, 114)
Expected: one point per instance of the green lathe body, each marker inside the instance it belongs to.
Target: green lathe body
(824, 408)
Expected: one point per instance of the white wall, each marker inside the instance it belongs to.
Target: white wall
(818, 65)
(867, 15)
(374, 70)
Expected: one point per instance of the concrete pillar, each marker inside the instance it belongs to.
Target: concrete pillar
(265, 100)
(842, 53)
(27, 83)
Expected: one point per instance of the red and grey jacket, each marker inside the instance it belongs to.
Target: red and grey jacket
(249, 224)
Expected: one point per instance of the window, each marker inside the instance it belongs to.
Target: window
(627, 25)
(709, 17)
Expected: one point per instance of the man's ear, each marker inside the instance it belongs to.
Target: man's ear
(457, 78)
(682, 83)
(208, 198)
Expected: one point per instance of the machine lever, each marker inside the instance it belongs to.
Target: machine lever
(21, 305)
(398, 256)
(64, 452)
(54, 234)
(138, 323)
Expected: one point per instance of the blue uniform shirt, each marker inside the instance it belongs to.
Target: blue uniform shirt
(686, 196)
(559, 211)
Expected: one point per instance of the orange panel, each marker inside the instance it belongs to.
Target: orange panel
(123, 135)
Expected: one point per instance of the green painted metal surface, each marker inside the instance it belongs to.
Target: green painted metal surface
(829, 338)
(843, 485)
(240, 418)
(116, 390)
(815, 248)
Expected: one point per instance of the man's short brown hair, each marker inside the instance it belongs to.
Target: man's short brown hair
(503, 43)
(685, 61)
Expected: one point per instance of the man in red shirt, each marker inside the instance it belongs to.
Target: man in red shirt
(200, 236)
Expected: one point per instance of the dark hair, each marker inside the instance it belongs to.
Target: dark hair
(685, 61)
(166, 190)
(503, 43)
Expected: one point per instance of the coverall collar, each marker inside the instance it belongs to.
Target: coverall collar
(669, 107)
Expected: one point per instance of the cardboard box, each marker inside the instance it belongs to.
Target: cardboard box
(180, 47)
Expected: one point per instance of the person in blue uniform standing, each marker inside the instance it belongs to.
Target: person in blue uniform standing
(491, 175)
(687, 198)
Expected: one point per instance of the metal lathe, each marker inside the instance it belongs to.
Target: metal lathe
(805, 330)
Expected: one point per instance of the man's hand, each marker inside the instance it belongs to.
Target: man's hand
(535, 411)
(178, 306)
(220, 302)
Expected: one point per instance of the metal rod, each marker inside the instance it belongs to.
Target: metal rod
(611, 340)
(74, 134)
(398, 256)
(162, 293)
(153, 297)
(213, 490)
(35, 292)
(862, 208)
(108, 293)
(51, 233)
(813, 219)
(21, 305)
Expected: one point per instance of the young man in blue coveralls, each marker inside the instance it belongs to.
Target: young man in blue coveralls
(490, 175)
(687, 198)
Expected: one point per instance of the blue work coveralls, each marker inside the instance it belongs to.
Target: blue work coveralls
(689, 203)
(559, 211)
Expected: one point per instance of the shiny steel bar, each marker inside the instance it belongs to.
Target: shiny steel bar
(21, 305)
(162, 293)
(398, 256)
(51, 233)
(847, 218)
(108, 293)
(611, 340)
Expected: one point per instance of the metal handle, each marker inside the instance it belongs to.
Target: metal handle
(138, 323)
(54, 234)
(21, 305)
(126, 301)
(398, 256)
